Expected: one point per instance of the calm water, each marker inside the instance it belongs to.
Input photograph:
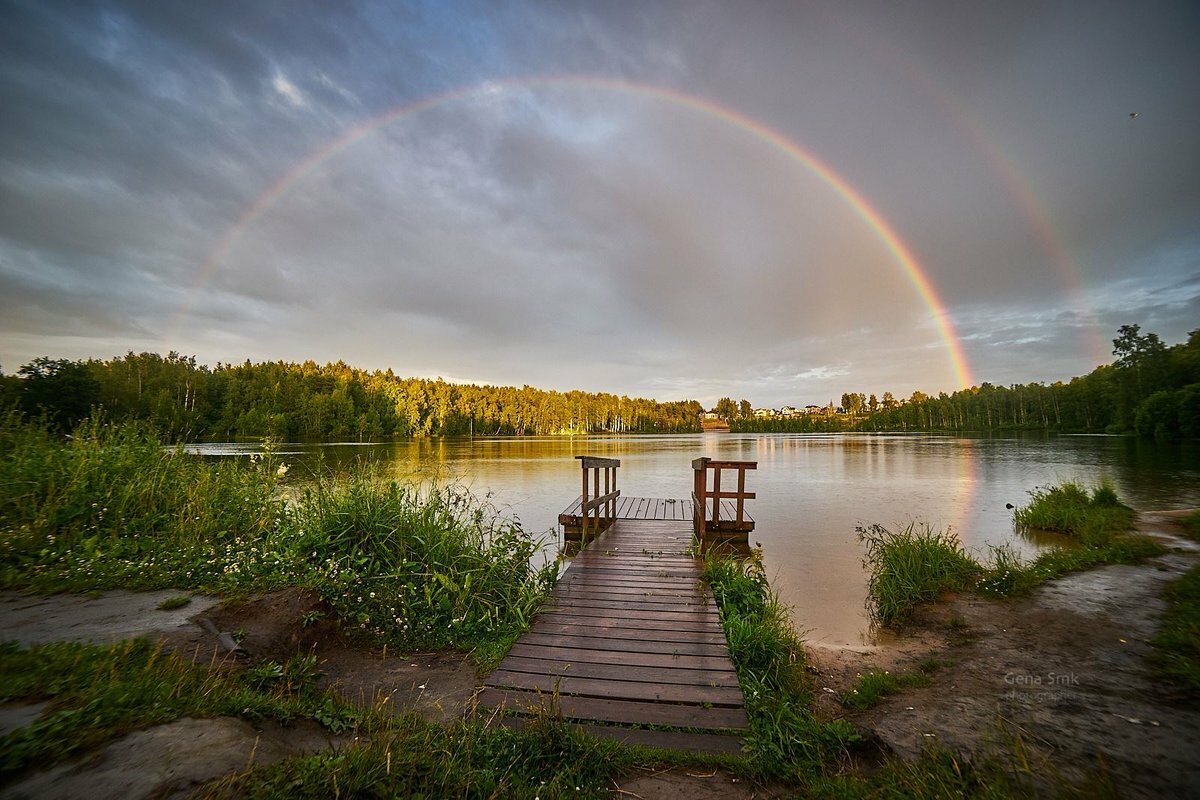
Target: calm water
(812, 490)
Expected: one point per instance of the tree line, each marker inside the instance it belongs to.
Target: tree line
(1150, 388)
(332, 402)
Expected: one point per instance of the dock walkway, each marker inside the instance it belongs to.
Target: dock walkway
(630, 638)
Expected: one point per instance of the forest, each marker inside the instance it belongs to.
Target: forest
(187, 401)
(1150, 388)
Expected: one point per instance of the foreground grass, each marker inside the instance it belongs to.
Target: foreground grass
(872, 687)
(1191, 524)
(112, 508)
(1178, 641)
(99, 692)
(916, 564)
(786, 741)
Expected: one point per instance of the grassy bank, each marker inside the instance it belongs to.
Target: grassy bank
(1177, 642)
(410, 567)
(916, 564)
(1191, 524)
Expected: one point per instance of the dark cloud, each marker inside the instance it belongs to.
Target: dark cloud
(501, 234)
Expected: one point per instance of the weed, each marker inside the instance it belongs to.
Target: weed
(1191, 524)
(1177, 642)
(413, 567)
(911, 566)
(871, 687)
(786, 741)
(1069, 508)
(172, 603)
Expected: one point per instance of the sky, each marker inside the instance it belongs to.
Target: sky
(773, 201)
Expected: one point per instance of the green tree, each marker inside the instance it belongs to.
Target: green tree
(62, 391)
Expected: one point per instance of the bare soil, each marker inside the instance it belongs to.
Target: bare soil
(1064, 672)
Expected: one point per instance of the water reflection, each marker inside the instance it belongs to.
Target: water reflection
(813, 490)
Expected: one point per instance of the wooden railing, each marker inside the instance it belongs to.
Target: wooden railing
(707, 520)
(595, 508)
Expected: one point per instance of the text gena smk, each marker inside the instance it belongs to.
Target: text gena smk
(1049, 679)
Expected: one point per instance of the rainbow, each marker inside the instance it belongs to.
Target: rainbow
(1014, 179)
(874, 220)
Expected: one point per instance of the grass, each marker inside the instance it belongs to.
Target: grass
(915, 565)
(410, 567)
(871, 687)
(1177, 642)
(786, 741)
(912, 566)
(1191, 524)
(172, 603)
(1069, 508)
(99, 692)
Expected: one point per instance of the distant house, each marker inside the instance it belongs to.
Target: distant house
(810, 409)
(765, 413)
(710, 416)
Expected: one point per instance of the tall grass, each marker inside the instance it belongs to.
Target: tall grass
(786, 740)
(915, 564)
(1177, 642)
(911, 566)
(1191, 524)
(432, 566)
(1069, 508)
(112, 508)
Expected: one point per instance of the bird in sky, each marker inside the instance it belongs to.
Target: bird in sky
(1135, 114)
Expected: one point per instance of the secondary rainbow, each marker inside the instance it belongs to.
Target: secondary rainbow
(874, 220)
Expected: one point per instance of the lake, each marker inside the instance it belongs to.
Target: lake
(813, 490)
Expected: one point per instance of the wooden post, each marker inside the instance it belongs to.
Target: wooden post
(712, 529)
(741, 496)
(716, 494)
(583, 504)
(596, 510)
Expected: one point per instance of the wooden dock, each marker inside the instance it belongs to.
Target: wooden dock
(630, 644)
(630, 637)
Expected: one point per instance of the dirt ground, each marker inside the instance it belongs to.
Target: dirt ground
(1065, 670)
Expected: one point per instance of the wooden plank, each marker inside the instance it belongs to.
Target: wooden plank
(595, 462)
(673, 616)
(624, 592)
(627, 623)
(630, 635)
(647, 602)
(584, 669)
(626, 632)
(722, 696)
(633, 605)
(714, 743)
(660, 660)
(623, 646)
(627, 711)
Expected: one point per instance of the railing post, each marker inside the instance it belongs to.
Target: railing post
(710, 528)
(699, 492)
(597, 510)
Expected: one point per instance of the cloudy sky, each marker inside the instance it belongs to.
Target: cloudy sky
(777, 201)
